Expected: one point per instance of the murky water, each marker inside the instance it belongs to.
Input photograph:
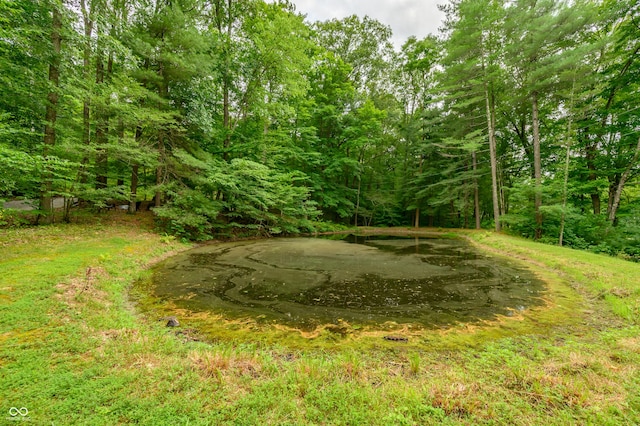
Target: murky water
(306, 282)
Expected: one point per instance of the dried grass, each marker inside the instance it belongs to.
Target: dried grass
(87, 285)
(219, 365)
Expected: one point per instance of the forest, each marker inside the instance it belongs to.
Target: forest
(228, 116)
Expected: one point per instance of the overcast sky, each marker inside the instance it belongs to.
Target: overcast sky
(405, 17)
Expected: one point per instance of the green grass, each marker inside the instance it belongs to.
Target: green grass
(74, 350)
(614, 280)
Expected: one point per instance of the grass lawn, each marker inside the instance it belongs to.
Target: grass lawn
(75, 350)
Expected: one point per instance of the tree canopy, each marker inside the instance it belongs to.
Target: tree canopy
(234, 116)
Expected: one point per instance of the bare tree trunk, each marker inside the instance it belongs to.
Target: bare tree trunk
(51, 114)
(595, 196)
(476, 191)
(537, 166)
(493, 157)
(163, 91)
(566, 167)
(226, 77)
(226, 119)
(417, 218)
(134, 189)
(465, 209)
(86, 107)
(133, 196)
(120, 132)
(102, 127)
(614, 180)
(68, 203)
(564, 191)
(159, 174)
(504, 201)
(617, 195)
(358, 201)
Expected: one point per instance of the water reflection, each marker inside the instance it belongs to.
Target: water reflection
(305, 282)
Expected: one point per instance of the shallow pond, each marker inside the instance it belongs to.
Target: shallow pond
(307, 282)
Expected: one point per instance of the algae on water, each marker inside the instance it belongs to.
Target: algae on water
(306, 282)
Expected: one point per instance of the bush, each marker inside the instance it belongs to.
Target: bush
(189, 214)
(219, 198)
(10, 218)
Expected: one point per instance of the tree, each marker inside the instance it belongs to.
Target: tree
(25, 42)
(473, 61)
(52, 110)
(541, 42)
(364, 44)
(414, 81)
(349, 85)
(616, 120)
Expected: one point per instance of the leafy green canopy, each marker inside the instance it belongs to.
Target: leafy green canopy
(240, 116)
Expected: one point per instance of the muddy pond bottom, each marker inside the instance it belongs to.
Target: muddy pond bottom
(365, 281)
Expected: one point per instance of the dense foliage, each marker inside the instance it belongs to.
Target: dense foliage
(229, 114)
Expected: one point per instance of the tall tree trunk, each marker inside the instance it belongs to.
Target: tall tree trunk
(86, 107)
(614, 180)
(617, 194)
(493, 156)
(102, 127)
(120, 132)
(465, 209)
(504, 200)
(163, 91)
(476, 190)
(358, 201)
(595, 196)
(226, 76)
(537, 165)
(416, 223)
(564, 192)
(46, 204)
(566, 166)
(226, 119)
(159, 169)
(133, 197)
